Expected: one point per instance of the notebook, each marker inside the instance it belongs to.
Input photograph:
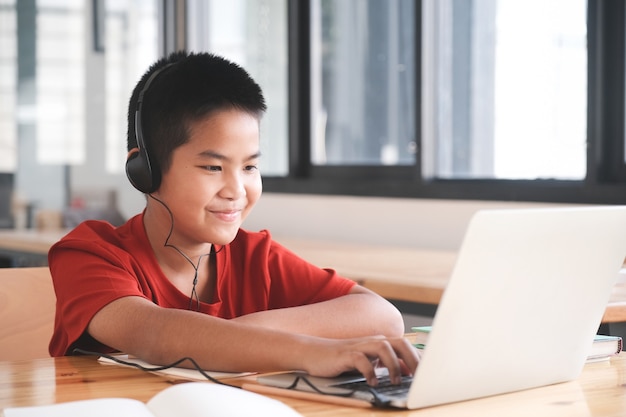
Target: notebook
(521, 275)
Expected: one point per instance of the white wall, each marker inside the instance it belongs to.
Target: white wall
(435, 224)
(422, 223)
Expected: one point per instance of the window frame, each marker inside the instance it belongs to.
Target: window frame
(605, 182)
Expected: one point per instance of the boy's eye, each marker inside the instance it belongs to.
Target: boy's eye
(218, 168)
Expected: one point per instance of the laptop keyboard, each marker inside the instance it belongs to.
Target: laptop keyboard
(384, 388)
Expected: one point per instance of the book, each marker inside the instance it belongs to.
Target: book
(191, 399)
(603, 346)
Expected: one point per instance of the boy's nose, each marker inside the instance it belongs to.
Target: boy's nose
(234, 187)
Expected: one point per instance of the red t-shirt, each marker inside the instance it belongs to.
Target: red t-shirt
(97, 263)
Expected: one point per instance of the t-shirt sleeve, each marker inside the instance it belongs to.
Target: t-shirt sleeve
(86, 277)
(295, 281)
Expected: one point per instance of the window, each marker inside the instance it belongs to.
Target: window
(128, 50)
(460, 99)
(504, 88)
(8, 81)
(252, 33)
(67, 68)
(362, 82)
(54, 96)
(42, 80)
(501, 100)
(482, 74)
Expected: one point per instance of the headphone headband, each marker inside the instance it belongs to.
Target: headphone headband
(139, 168)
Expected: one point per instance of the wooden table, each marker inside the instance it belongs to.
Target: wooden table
(397, 273)
(600, 391)
(30, 240)
(27, 247)
(406, 274)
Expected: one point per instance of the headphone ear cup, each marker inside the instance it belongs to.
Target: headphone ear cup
(139, 172)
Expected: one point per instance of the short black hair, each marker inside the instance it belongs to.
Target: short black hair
(188, 88)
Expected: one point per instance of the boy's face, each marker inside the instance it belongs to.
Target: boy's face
(214, 181)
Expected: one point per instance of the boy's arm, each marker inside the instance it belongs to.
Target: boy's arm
(360, 313)
(161, 336)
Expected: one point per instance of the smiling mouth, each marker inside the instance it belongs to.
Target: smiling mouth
(227, 216)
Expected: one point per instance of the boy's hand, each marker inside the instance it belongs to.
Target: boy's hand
(364, 355)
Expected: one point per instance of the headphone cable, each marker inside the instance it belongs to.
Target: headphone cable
(194, 293)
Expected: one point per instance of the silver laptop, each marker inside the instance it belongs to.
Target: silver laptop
(523, 304)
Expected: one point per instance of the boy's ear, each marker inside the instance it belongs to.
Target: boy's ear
(132, 153)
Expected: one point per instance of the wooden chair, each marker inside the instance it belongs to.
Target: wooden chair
(27, 305)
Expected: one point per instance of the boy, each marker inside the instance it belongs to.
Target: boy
(182, 279)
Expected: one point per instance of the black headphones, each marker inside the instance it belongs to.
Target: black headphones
(139, 168)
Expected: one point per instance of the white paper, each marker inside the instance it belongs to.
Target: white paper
(105, 407)
(191, 374)
(198, 399)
